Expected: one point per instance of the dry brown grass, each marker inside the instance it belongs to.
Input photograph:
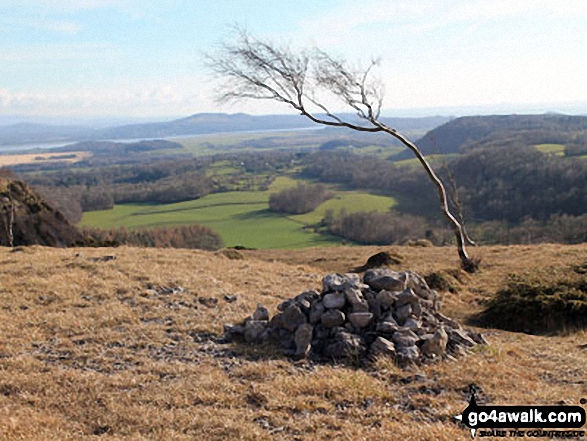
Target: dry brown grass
(7, 160)
(96, 349)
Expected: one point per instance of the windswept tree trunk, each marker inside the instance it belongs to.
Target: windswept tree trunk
(10, 215)
(467, 263)
(305, 80)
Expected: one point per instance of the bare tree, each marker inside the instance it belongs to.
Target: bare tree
(310, 81)
(9, 221)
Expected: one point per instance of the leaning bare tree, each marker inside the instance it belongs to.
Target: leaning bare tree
(310, 81)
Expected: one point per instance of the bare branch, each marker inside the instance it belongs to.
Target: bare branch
(305, 80)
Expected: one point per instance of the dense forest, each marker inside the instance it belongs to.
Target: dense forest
(471, 132)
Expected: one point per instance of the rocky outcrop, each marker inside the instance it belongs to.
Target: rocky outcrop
(26, 219)
(386, 313)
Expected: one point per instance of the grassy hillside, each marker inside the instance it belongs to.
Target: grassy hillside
(129, 348)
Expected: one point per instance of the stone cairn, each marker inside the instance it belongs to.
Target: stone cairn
(387, 313)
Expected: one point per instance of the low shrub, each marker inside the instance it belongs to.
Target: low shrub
(540, 304)
(184, 236)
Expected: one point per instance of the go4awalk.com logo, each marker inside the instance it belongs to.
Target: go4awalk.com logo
(504, 421)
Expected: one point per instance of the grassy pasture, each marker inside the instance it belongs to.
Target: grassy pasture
(553, 149)
(241, 217)
(40, 158)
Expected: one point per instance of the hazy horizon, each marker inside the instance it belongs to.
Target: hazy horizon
(139, 60)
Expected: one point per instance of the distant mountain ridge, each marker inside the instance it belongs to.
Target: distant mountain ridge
(471, 132)
(198, 124)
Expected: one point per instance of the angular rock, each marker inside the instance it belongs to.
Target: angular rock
(446, 320)
(406, 297)
(303, 339)
(435, 344)
(387, 327)
(276, 321)
(417, 283)
(417, 308)
(413, 324)
(382, 347)
(316, 311)
(407, 354)
(304, 306)
(255, 331)
(386, 298)
(345, 345)
(261, 313)
(232, 331)
(384, 278)
(293, 317)
(356, 299)
(402, 314)
(338, 282)
(335, 300)
(283, 338)
(332, 318)
(460, 337)
(360, 320)
(352, 280)
(478, 338)
(309, 296)
(284, 305)
(429, 320)
(404, 337)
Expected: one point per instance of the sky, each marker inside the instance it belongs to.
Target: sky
(145, 58)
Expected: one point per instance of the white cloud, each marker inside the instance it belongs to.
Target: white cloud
(57, 52)
(354, 19)
(122, 99)
(67, 27)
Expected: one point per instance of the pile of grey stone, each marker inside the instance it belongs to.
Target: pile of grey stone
(386, 313)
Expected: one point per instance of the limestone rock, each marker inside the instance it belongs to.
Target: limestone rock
(387, 327)
(386, 298)
(316, 311)
(383, 278)
(293, 317)
(345, 345)
(332, 318)
(303, 339)
(406, 297)
(435, 344)
(401, 314)
(360, 320)
(261, 313)
(460, 337)
(255, 331)
(335, 300)
(408, 354)
(404, 337)
(382, 347)
(356, 299)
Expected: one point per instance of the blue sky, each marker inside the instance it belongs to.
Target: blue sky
(143, 58)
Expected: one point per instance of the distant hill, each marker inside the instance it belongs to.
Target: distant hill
(29, 133)
(198, 124)
(471, 132)
(119, 148)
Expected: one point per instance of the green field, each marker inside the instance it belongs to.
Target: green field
(553, 149)
(241, 217)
